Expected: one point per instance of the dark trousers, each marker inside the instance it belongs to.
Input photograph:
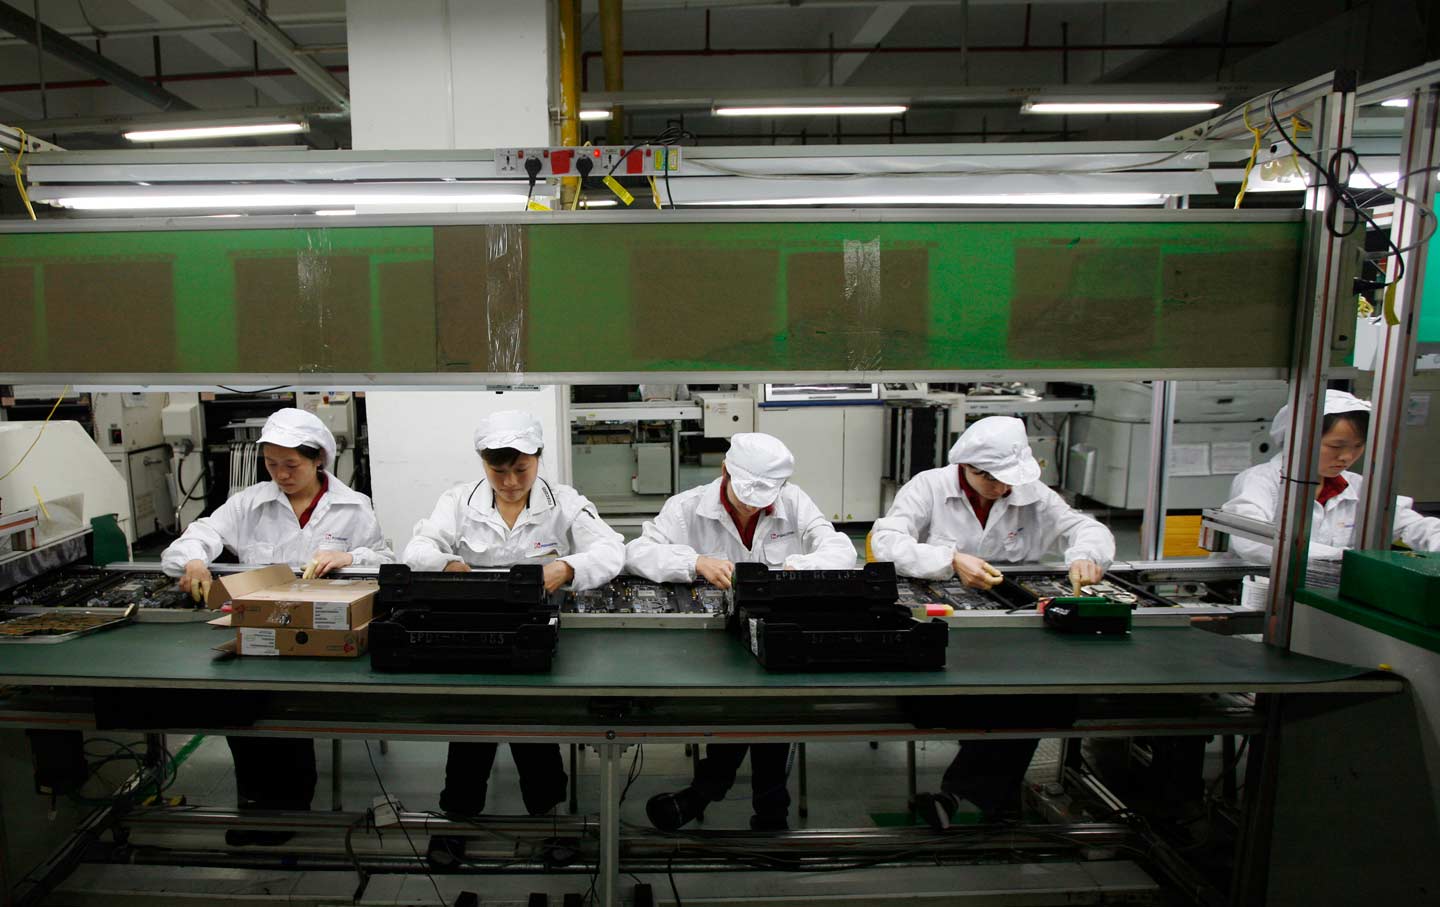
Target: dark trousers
(716, 773)
(989, 773)
(543, 782)
(273, 772)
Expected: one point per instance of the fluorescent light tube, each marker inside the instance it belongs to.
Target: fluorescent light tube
(1396, 102)
(1053, 199)
(238, 198)
(1082, 107)
(814, 110)
(336, 212)
(194, 133)
(595, 115)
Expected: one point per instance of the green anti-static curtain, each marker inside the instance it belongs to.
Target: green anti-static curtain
(616, 297)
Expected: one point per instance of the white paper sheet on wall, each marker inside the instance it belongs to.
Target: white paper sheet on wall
(1230, 457)
(1189, 459)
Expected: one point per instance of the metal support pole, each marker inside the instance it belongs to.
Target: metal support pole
(609, 868)
(910, 779)
(1326, 281)
(804, 786)
(574, 780)
(1162, 417)
(1420, 152)
(335, 794)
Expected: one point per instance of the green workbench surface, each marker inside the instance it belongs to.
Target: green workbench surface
(1329, 601)
(701, 663)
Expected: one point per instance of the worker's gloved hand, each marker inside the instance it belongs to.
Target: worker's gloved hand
(557, 574)
(325, 561)
(196, 580)
(1084, 573)
(976, 573)
(716, 571)
(457, 567)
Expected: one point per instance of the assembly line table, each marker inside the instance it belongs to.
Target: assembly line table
(615, 688)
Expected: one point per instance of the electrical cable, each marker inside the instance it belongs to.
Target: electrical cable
(403, 830)
(1254, 153)
(38, 435)
(18, 171)
(263, 390)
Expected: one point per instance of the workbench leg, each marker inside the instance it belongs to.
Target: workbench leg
(574, 780)
(804, 786)
(609, 868)
(910, 779)
(335, 775)
(1230, 784)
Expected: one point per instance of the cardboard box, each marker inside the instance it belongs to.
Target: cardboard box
(305, 604)
(224, 589)
(274, 641)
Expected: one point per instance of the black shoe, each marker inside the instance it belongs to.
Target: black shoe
(769, 823)
(668, 812)
(445, 852)
(244, 837)
(936, 809)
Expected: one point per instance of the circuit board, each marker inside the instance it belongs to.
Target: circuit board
(53, 624)
(92, 587)
(634, 595)
(1058, 586)
(148, 590)
(70, 586)
(914, 592)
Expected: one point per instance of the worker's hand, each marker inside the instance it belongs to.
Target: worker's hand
(196, 580)
(975, 573)
(457, 567)
(717, 571)
(325, 561)
(1085, 573)
(557, 574)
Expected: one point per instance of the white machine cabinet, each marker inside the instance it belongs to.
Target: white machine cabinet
(839, 455)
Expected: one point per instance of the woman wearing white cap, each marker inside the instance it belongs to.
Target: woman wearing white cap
(988, 504)
(1255, 493)
(750, 513)
(512, 516)
(304, 517)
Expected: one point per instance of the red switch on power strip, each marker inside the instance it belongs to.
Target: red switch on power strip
(560, 160)
(634, 163)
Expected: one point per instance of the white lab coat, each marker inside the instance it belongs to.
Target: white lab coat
(1255, 493)
(259, 525)
(694, 523)
(558, 523)
(931, 520)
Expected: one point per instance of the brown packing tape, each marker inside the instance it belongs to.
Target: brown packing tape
(1207, 296)
(1076, 301)
(704, 304)
(322, 300)
(17, 313)
(119, 313)
(482, 294)
(825, 325)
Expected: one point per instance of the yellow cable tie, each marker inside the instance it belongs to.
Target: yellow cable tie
(40, 500)
(16, 169)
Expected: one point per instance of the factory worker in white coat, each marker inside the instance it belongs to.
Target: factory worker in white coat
(304, 515)
(987, 505)
(509, 517)
(307, 518)
(1255, 493)
(751, 513)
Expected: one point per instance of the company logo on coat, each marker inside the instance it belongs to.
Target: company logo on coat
(1014, 534)
(332, 537)
(781, 535)
(539, 545)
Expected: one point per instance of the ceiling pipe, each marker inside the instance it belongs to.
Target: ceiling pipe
(172, 77)
(910, 49)
(76, 54)
(612, 38)
(569, 53)
(273, 38)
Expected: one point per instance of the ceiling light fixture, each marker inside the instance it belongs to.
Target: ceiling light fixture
(589, 115)
(813, 110)
(1396, 102)
(1054, 199)
(315, 198)
(1084, 107)
(196, 133)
